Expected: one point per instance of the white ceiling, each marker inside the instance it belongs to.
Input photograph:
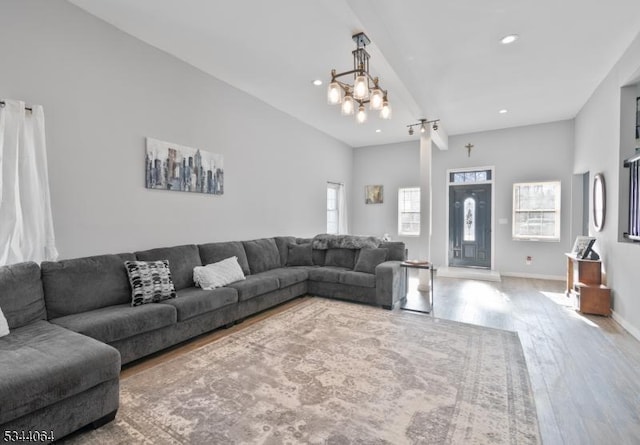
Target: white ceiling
(437, 59)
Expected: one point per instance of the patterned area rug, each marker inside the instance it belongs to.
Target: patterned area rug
(329, 372)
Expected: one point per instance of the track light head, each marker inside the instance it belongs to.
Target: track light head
(410, 131)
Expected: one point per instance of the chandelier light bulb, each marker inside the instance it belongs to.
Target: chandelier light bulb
(385, 113)
(334, 93)
(348, 106)
(376, 100)
(423, 128)
(361, 117)
(361, 88)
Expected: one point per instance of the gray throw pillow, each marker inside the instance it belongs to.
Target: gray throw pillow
(340, 258)
(150, 281)
(300, 255)
(369, 259)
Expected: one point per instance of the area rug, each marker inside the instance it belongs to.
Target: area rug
(329, 372)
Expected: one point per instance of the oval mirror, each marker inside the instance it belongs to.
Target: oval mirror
(599, 201)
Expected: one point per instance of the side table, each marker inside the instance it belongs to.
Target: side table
(405, 301)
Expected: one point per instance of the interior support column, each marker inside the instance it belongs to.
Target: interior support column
(426, 149)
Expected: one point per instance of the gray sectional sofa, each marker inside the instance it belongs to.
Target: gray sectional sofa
(72, 323)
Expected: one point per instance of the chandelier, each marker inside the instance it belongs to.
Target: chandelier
(365, 88)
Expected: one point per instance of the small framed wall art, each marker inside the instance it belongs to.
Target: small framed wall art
(373, 194)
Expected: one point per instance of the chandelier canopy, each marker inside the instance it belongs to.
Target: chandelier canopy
(364, 89)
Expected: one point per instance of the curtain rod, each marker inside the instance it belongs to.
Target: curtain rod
(335, 183)
(2, 104)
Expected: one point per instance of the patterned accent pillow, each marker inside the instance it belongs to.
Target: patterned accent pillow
(150, 281)
(4, 326)
(218, 274)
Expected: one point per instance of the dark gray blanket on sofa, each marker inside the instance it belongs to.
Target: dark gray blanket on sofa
(326, 241)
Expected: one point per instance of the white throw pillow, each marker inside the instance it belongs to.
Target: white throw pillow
(218, 274)
(4, 326)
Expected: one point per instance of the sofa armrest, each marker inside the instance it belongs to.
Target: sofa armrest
(390, 283)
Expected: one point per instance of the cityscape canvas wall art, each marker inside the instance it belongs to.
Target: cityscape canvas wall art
(171, 166)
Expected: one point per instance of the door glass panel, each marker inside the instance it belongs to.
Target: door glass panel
(469, 220)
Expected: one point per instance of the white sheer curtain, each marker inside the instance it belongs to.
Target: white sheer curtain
(26, 224)
(343, 220)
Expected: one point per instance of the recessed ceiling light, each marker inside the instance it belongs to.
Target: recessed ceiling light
(378, 131)
(503, 111)
(317, 82)
(509, 39)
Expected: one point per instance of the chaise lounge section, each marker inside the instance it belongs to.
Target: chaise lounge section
(52, 380)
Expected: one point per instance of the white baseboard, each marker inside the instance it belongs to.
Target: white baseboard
(534, 276)
(626, 325)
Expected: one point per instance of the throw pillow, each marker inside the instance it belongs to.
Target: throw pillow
(369, 259)
(300, 255)
(218, 274)
(340, 258)
(4, 326)
(150, 281)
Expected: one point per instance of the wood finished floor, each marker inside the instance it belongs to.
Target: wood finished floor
(584, 370)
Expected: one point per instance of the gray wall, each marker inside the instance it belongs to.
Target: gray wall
(394, 166)
(104, 91)
(523, 154)
(531, 153)
(604, 137)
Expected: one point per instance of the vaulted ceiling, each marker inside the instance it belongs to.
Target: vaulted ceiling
(437, 59)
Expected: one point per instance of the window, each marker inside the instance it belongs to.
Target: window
(469, 220)
(332, 208)
(536, 211)
(470, 176)
(409, 211)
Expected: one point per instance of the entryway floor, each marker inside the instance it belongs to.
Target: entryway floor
(469, 273)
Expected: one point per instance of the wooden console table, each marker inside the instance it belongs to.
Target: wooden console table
(584, 281)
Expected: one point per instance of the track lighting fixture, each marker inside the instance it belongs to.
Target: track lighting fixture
(423, 125)
(365, 88)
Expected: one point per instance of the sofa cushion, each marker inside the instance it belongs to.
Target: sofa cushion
(4, 326)
(340, 258)
(41, 364)
(358, 279)
(150, 281)
(193, 301)
(182, 260)
(327, 274)
(256, 285)
(218, 274)
(396, 250)
(262, 255)
(288, 276)
(368, 259)
(318, 256)
(214, 252)
(21, 296)
(299, 255)
(113, 323)
(283, 243)
(85, 284)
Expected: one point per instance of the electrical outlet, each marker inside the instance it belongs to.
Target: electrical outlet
(528, 260)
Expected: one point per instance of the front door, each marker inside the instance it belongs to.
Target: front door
(470, 225)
